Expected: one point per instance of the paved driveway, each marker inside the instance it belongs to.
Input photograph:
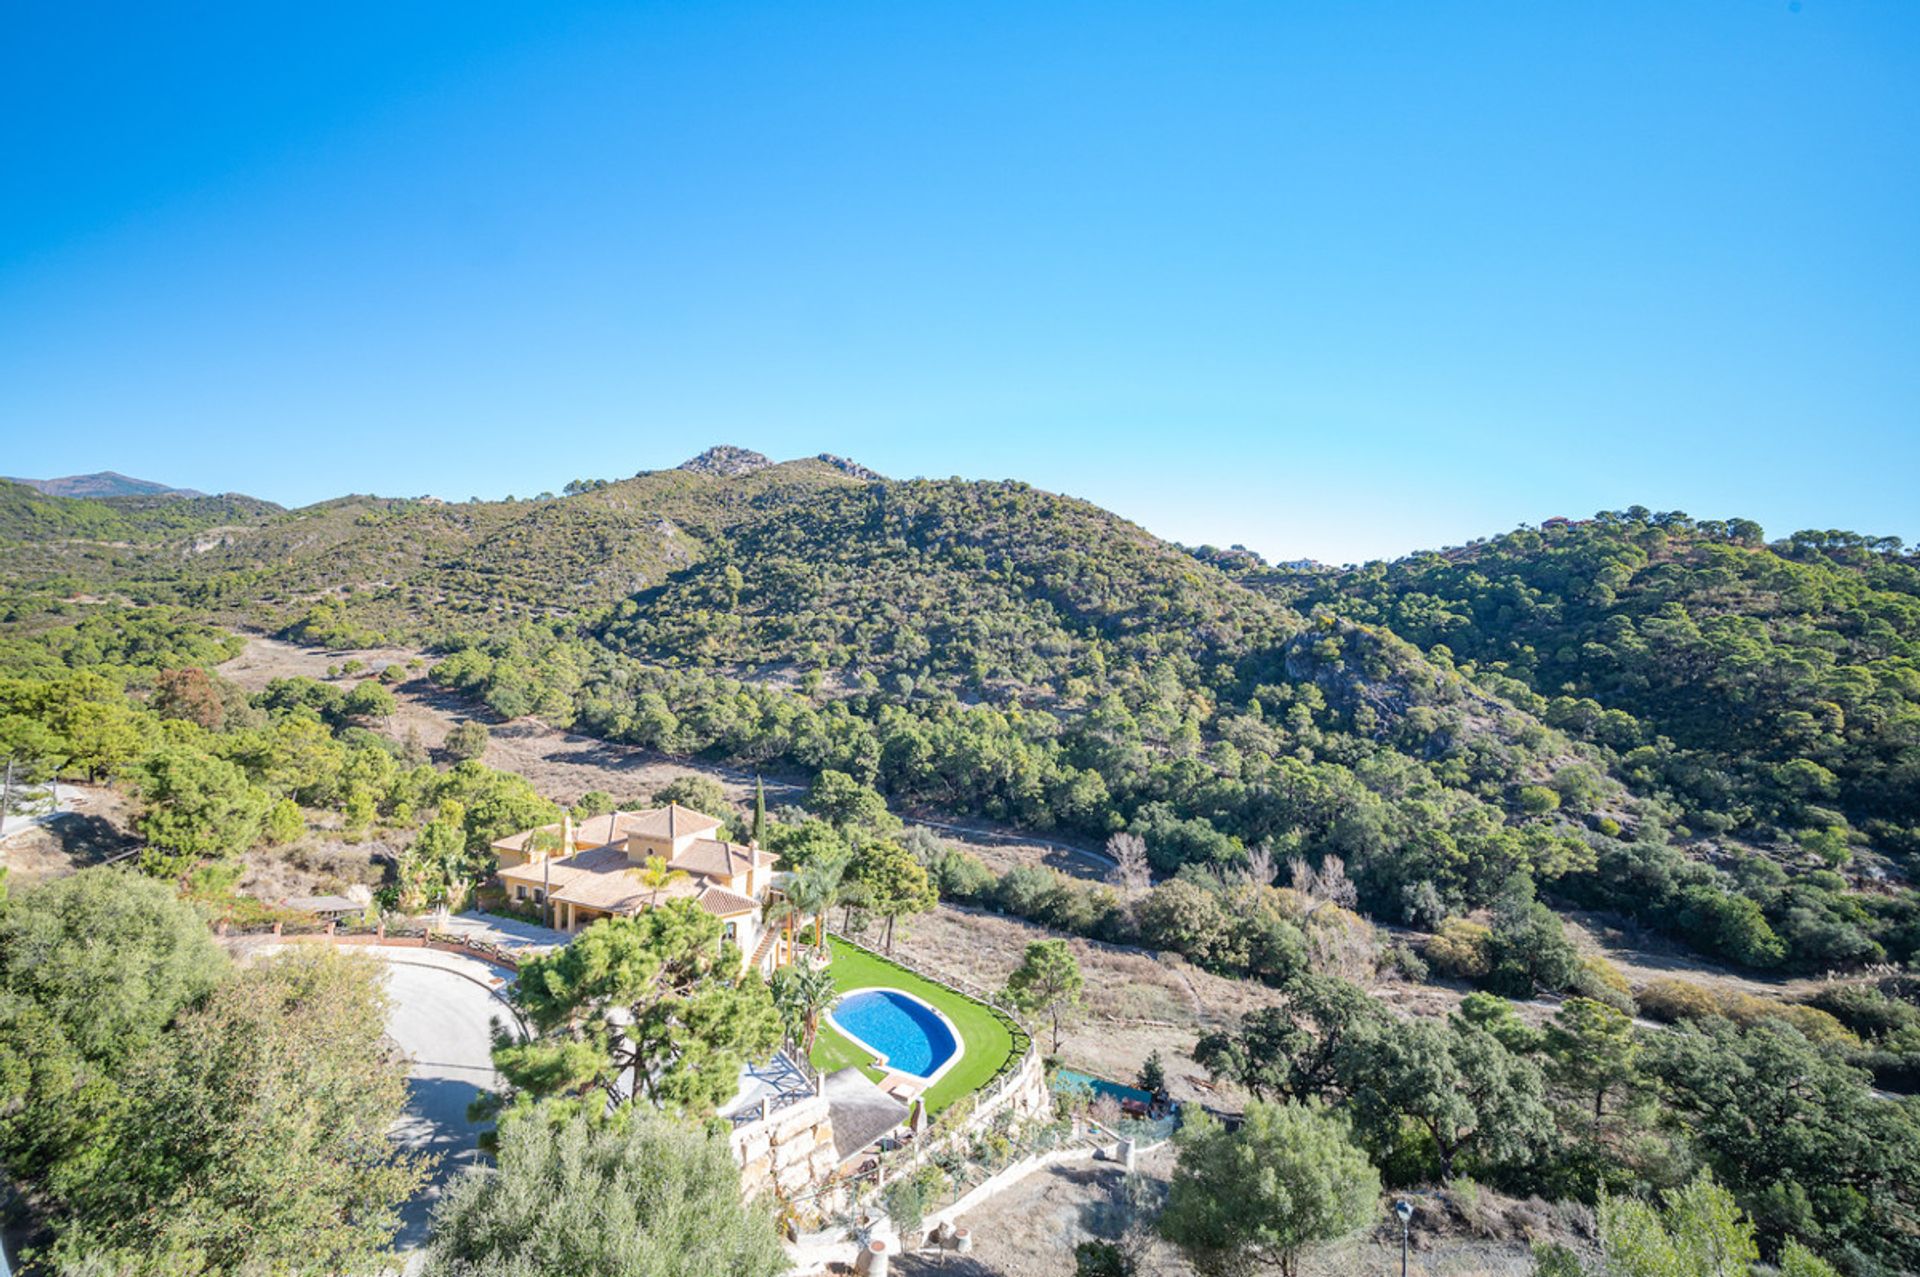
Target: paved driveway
(443, 1005)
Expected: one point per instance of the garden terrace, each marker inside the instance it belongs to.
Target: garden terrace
(991, 1043)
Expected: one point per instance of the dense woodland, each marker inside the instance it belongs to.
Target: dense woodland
(1672, 721)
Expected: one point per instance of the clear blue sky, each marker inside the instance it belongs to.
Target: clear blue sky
(1327, 279)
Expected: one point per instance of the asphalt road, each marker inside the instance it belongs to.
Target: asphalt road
(441, 1015)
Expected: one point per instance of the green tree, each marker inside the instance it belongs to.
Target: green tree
(655, 876)
(891, 883)
(1700, 1233)
(1153, 1074)
(1047, 983)
(494, 803)
(1797, 1135)
(101, 738)
(1797, 1261)
(802, 843)
(643, 1197)
(1294, 1050)
(369, 699)
(697, 793)
(1594, 1054)
(595, 802)
(814, 889)
(438, 860)
(93, 967)
(257, 1133)
(844, 801)
(652, 1005)
(1496, 1015)
(358, 812)
(1453, 1082)
(197, 808)
(285, 822)
(1287, 1180)
(1530, 950)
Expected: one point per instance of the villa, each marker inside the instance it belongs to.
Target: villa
(596, 871)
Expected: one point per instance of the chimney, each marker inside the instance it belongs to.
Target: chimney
(566, 833)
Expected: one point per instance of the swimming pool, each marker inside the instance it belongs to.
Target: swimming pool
(908, 1035)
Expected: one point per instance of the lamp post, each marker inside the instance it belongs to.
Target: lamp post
(1404, 1209)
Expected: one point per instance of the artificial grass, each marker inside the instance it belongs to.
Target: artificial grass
(985, 1042)
(834, 1050)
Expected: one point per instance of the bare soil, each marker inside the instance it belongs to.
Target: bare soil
(96, 825)
(1136, 1001)
(1643, 956)
(1031, 1228)
(560, 764)
(320, 862)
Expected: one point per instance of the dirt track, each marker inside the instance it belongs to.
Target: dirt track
(560, 764)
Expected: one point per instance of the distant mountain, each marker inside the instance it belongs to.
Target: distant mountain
(105, 483)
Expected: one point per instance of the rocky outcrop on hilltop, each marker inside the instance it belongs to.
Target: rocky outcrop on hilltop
(726, 461)
(849, 467)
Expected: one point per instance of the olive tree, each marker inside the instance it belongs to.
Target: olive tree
(644, 1196)
(1288, 1179)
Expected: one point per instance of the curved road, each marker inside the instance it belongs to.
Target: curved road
(443, 1008)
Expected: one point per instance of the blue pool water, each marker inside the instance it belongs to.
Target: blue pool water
(908, 1032)
(1065, 1080)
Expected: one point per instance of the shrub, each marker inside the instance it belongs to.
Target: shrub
(1462, 948)
(467, 740)
(1674, 1000)
(1601, 980)
(1536, 800)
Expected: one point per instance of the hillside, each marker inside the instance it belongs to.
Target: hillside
(1618, 711)
(1768, 690)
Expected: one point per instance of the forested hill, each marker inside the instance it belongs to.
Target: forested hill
(1768, 690)
(992, 648)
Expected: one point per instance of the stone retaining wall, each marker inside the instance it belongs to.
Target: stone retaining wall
(787, 1152)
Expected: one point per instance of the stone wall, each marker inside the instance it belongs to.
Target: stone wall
(1026, 1094)
(787, 1152)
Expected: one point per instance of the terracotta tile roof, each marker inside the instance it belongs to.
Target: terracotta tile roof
(622, 892)
(671, 821)
(715, 859)
(518, 842)
(562, 870)
(725, 904)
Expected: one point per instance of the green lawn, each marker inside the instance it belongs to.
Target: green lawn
(985, 1042)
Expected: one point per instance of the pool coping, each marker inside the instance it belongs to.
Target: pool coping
(879, 1056)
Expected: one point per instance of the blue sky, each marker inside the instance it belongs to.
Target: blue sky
(1329, 280)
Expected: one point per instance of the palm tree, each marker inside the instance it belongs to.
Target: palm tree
(815, 888)
(656, 877)
(802, 993)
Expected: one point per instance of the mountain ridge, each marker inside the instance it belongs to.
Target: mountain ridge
(103, 483)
